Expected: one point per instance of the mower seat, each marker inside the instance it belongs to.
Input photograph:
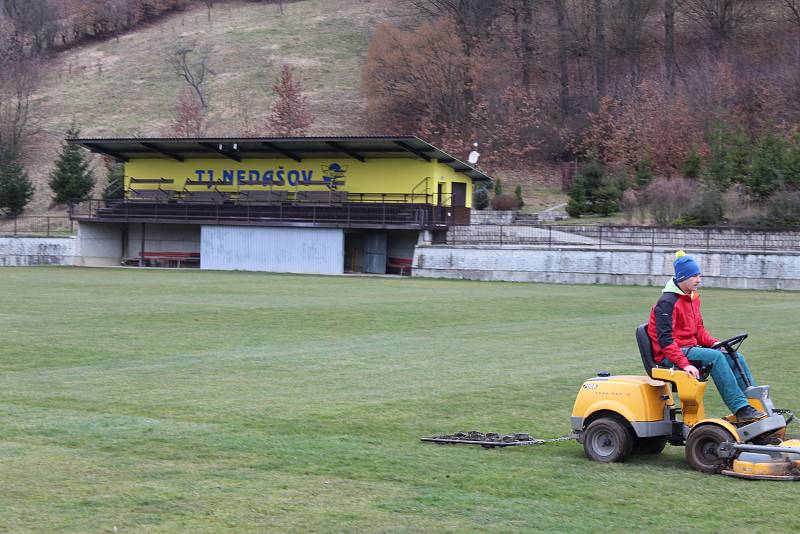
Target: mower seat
(645, 349)
(646, 352)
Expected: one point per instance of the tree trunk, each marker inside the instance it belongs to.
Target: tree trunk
(563, 71)
(669, 41)
(526, 36)
(600, 48)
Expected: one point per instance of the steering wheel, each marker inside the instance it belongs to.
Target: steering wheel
(732, 343)
(731, 346)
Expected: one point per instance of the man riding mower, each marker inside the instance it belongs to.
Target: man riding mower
(614, 416)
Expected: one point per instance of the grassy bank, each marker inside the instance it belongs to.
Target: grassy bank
(125, 87)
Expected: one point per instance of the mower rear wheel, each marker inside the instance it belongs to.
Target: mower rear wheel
(702, 446)
(649, 445)
(607, 440)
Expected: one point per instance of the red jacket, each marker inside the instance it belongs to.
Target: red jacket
(676, 323)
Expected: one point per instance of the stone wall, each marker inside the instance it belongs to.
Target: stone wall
(22, 251)
(691, 239)
(491, 217)
(740, 270)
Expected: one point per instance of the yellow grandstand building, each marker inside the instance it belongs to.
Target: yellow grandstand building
(302, 204)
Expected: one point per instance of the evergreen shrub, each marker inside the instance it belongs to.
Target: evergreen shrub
(71, 178)
(16, 189)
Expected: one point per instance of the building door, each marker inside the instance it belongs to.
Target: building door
(375, 254)
(459, 195)
(440, 194)
(354, 252)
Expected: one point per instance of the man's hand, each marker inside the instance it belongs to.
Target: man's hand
(692, 371)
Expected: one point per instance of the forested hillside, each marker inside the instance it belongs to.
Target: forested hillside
(671, 100)
(686, 109)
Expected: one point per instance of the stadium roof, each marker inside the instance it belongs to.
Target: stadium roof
(296, 148)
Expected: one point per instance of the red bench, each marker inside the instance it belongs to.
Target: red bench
(400, 264)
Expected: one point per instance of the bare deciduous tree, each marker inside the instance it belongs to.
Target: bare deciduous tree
(669, 42)
(472, 19)
(35, 21)
(522, 12)
(209, 5)
(244, 105)
(19, 77)
(600, 47)
(189, 117)
(722, 18)
(791, 13)
(563, 67)
(190, 63)
(628, 29)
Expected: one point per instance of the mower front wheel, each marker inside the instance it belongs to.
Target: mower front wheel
(702, 448)
(607, 440)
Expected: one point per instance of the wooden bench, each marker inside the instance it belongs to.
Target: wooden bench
(150, 195)
(205, 197)
(256, 196)
(324, 197)
(160, 257)
(403, 265)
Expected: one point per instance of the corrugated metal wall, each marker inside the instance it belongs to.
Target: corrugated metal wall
(281, 250)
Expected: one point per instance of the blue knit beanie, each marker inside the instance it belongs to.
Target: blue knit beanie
(685, 266)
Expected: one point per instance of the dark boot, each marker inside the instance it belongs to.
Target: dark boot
(747, 414)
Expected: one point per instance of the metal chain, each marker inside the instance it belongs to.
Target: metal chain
(787, 414)
(568, 437)
(492, 439)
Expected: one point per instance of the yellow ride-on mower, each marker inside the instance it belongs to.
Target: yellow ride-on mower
(615, 416)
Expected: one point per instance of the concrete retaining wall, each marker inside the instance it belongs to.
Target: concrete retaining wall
(100, 244)
(739, 270)
(591, 266)
(21, 251)
(492, 217)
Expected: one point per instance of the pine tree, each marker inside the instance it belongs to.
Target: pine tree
(71, 178)
(498, 188)
(16, 189)
(480, 197)
(767, 165)
(518, 196)
(593, 192)
(115, 185)
(289, 115)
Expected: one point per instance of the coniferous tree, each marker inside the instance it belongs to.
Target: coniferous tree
(498, 188)
(115, 186)
(766, 169)
(289, 115)
(593, 192)
(480, 197)
(16, 189)
(71, 178)
(518, 196)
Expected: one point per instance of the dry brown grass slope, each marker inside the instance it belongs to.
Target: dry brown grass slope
(124, 87)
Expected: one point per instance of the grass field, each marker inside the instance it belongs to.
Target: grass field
(189, 401)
